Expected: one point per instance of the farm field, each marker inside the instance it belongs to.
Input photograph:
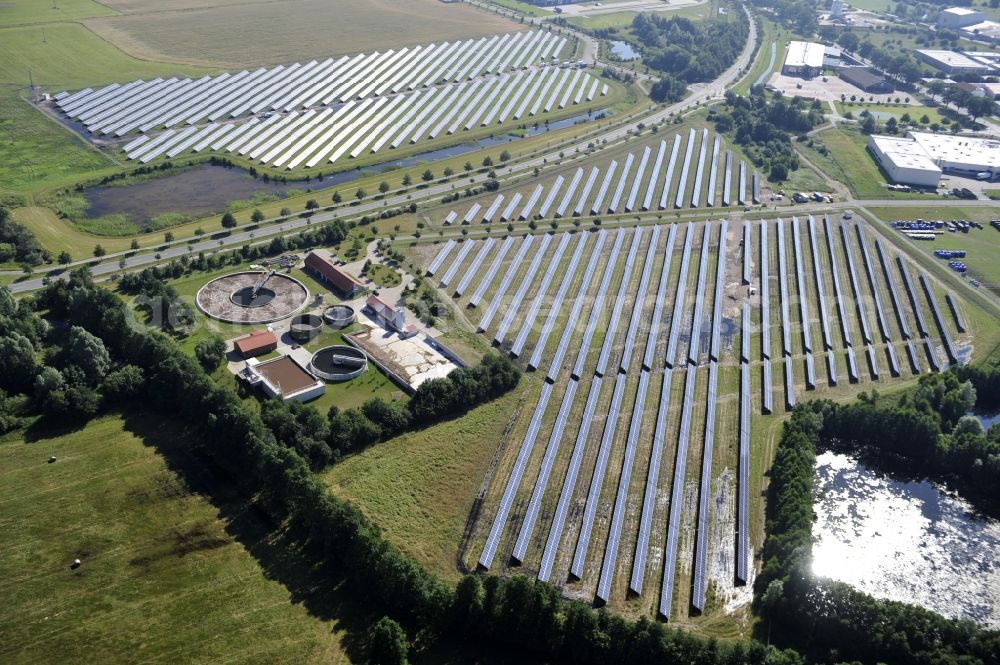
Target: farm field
(163, 576)
(26, 12)
(275, 32)
(587, 389)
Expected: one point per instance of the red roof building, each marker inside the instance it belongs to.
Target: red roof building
(386, 314)
(321, 264)
(258, 343)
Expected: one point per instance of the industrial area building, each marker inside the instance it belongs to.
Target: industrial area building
(952, 62)
(257, 343)
(803, 59)
(321, 265)
(959, 17)
(922, 157)
(988, 30)
(865, 79)
(904, 161)
(282, 378)
(393, 318)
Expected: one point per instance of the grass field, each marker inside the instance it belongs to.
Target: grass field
(880, 111)
(771, 33)
(278, 32)
(849, 162)
(163, 577)
(24, 12)
(419, 487)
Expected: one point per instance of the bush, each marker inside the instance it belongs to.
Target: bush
(211, 352)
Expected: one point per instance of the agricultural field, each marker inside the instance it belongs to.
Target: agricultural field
(277, 32)
(165, 574)
(597, 356)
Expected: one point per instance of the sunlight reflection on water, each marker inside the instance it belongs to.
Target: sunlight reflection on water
(905, 541)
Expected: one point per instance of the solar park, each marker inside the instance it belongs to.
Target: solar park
(627, 478)
(654, 177)
(322, 112)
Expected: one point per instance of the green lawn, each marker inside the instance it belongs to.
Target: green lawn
(522, 7)
(880, 111)
(163, 578)
(22, 12)
(420, 487)
(771, 33)
(383, 276)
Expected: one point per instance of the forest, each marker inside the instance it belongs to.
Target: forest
(691, 51)
(926, 429)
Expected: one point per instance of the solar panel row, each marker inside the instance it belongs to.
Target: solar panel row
(820, 289)
(727, 183)
(918, 312)
(936, 312)
(893, 291)
(491, 273)
(477, 262)
(682, 185)
(588, 275)
(800, 280)
(859, 302)
(838, 294)
(599, 300)
(675, 327)
(661, 295)
(442, 254)
(765, 297)
(619, 305)
(700, 171)
(786, 330)
(866, 258)
(527, 283)
(955, 313)
(457, 263)
(508, 278)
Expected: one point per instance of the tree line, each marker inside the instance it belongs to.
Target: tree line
(832, 621)
(763, 127)
(18, 244)
(232, 442)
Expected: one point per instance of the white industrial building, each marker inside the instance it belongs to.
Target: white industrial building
(952, 62)
(904, 161)
(922, 157)
(959, 17)
(962, 155)
(984, 30)
(803, 59)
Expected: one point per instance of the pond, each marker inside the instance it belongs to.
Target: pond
(624, 50)
(207, 189)
(905, 540)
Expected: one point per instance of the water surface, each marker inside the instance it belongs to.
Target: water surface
(905, 540)
(624, 50)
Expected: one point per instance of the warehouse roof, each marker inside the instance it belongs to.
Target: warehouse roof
(804, 54)
(905, 153)
(259, 341)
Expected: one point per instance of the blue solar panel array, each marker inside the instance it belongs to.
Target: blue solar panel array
(556, 306)
(893, 360)
(699, 173)
(670, 172)
(936, 312)
(911, 352)
(746, 252)
(597, 207)
(550, 197)
(597, 479)
(713, 173)
(661, 295)
(893, 291)
(536, 303)
(473, 268)
(765, 294)
(756, 188)
(640, 300)
(675, 327)
(683, 441)
(838, 293)
(800, 281)
(873, 362)
(620, 187)
(585, 194)
(704, 494)
(530, 205)
(810, 371)
(574, 316)
(955, 313)
(743, 465)
(652, 483)
(647, 200)
(908, 284)
(505, 282)
(685, 169)
(568, 196)
(491, 273)
(542, 480)
(727, 183)
(640, 173)
(514, 481)
(831, 367)
(789, 384)
(820, 289)
(441, 256)
(621, 497)
(866, 333)
(932, 357)
(619, 304)
(742, 193)
(879, 309)
(508, 279)
(599, 299)
(694, 348)
(767, 394)
(569, 484)
(786, 330)
(715, 348)
(457, 263)
(852, 365)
